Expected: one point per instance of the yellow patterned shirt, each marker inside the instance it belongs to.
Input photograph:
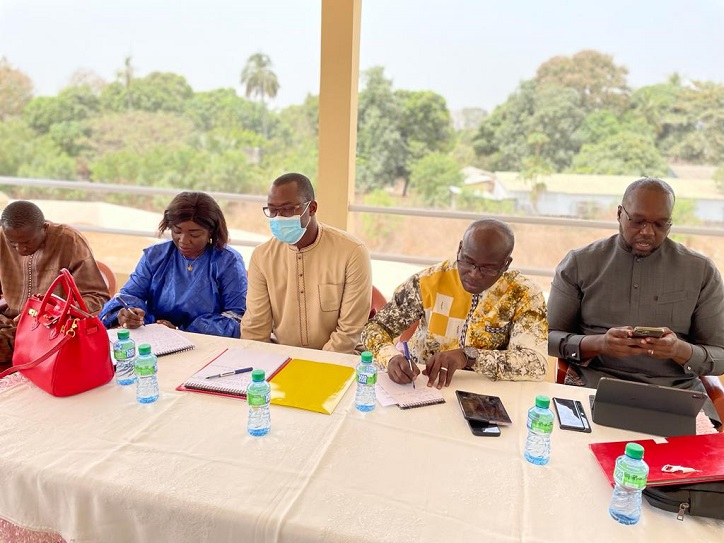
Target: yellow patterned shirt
(508, 326)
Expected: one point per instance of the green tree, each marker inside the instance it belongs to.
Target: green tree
(702, 107)
(71, 104)
(223, 110)
(504, 138)
(625, 153)
(157, 91)
(432, 176)
(381, 150)
(258, 78)
(16, 139)
(16, 90)
(599, 82)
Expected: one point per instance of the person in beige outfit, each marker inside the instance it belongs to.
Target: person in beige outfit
(311, 284)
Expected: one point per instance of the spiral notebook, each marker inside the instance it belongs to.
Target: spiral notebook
(407, 397)
(229, 360)
(162, 339)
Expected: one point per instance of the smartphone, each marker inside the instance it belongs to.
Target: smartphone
(647, 331)
(571, 415)
(483, 429)
(482, 408)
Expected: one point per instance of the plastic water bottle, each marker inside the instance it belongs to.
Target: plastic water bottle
(540, 426)
(146, 368)
(365, 398)
(258, 396)
(124, 353)
(630, 475)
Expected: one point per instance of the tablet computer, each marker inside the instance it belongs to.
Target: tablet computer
(482, 408)
(651, 409)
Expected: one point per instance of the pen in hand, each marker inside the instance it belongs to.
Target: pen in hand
(409, 361)
(125, 305)
(231, 372)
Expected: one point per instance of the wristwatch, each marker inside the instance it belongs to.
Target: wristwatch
(471, 354)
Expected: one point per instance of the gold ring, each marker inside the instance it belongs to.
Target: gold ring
(124, 325)
(651, 352)
(443, 368)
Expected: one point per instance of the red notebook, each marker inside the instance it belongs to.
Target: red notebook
(228, 360)
(705, 453)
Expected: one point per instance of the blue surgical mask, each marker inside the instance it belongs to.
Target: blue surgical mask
(287, 229)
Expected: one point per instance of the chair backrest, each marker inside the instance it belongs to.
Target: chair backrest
(108, 276)
(378, 301)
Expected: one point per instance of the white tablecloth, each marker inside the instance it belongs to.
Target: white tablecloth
(101, 467)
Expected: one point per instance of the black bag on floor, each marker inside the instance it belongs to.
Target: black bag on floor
(699, 499)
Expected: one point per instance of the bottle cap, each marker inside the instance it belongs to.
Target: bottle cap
(257, 375)
(542, 401)
(634, 450)
(124, 334)
(366, 357)
(144, 348)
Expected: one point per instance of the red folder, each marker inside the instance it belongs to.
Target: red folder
(704, 453)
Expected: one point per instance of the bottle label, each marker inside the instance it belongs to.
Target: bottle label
(629, 480)
(122, 354)
(545, 426)
(258, 399)
(366, 378)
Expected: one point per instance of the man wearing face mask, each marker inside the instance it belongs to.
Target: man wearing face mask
(311, 284)
(473, 312)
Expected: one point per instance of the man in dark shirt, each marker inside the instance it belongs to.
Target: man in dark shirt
(639, 277)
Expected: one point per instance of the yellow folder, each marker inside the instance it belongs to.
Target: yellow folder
(315, 386)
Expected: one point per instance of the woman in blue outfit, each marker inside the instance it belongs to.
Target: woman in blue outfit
(194, 282)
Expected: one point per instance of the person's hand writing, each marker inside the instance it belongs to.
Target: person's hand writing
(667, 346)
(441, 367)
(398, 368)
(131, 318)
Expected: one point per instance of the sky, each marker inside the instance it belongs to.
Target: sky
(472, 52)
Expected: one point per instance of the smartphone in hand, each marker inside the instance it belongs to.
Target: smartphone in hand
(571, 415)
(648, 331)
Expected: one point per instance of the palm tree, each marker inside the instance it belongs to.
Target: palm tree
(260, 81)
(258, 77)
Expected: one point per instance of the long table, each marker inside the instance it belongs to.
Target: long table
(101, 467)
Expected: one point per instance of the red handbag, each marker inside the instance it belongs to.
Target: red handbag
(59, 346)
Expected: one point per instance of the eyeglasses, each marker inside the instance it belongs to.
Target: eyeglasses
(660, 226)
(468, 267)
(286, 211)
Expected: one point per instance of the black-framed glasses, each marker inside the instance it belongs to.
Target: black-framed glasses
(468, 267)
(640, 224)
(286, 211)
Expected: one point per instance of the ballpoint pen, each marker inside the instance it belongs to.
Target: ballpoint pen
(231, 372)
(125, 304)
(409, 361)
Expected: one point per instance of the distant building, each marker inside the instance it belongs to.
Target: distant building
(586, 196)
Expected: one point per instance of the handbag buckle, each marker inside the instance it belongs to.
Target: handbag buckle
(33, 312)
(71, 330)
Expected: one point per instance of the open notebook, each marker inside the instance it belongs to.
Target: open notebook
(162, 339)
(407, 397)
(229, 360)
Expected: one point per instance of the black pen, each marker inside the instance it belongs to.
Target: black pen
(232, 372)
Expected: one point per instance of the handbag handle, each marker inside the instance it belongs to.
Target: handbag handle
(71, 290)
(55, 349)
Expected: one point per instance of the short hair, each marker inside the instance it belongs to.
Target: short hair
(304, 185)
(200, 208)
(496, 226)
(21, 214)
(648, 183)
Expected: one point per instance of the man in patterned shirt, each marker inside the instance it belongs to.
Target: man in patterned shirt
(474, 314)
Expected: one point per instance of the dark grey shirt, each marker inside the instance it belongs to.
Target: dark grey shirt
(603, 285)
